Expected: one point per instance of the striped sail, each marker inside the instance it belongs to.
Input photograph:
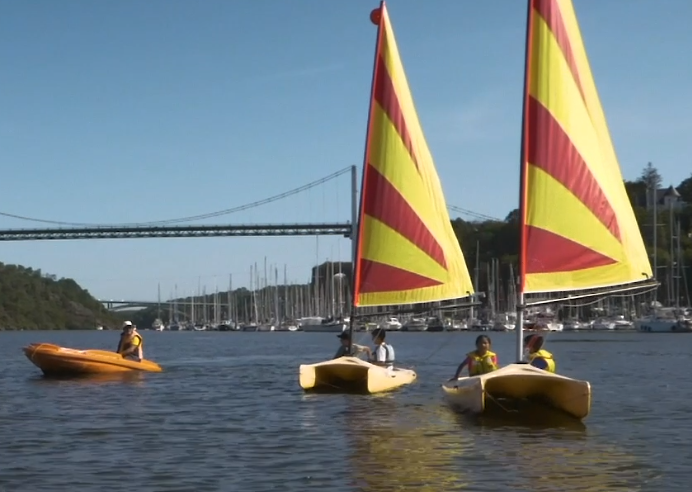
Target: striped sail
(578, 227)
(407, 251)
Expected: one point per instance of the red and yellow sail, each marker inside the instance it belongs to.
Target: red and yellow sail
(407, 251)
(578, 227)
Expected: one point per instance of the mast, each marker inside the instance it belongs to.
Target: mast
(316, 286)
(354, 246)
(678, 269)
(523, 171)
(376, 17)
(230, 314)
(476, 271)
(277, 318)
(655, 221)
(671, 275)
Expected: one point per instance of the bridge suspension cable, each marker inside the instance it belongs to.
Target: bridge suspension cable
(471, 213)
(191, 218)
(227, 211)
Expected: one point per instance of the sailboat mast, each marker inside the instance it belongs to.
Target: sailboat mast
(376, 17)
(354, 250)
(230, 315)
(523, 172)
(678, 262)
(655, 205)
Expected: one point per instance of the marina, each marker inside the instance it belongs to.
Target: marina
(321, 306)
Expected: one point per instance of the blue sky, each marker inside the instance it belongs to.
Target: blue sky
(131, 111)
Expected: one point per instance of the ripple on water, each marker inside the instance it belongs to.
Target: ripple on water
(227, 414)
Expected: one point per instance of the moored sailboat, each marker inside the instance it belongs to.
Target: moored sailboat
(579, 235)
(405, 250)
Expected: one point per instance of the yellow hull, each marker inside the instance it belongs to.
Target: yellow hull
(519, 382)
(54, 360)
(352, 375)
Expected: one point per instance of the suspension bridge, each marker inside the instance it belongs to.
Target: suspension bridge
(128, 304)
(185, 227)
(182, 228)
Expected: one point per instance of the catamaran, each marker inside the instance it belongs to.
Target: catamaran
(405, 250)
(579, 234)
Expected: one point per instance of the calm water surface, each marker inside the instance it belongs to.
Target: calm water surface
(228, 415)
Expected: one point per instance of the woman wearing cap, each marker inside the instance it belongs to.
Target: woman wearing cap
(131, 343)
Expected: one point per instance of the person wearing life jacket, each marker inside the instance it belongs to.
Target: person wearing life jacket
(383, 353)
(480, 361)
(131, 344)
(356, 350)
(537, 356)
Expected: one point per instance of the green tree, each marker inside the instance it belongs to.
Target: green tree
(651, 177)
(685, 190)
(652, 180)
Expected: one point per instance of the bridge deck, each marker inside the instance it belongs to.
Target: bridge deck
(244, 230)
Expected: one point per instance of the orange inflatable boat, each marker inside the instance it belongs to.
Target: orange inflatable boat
(54, 360)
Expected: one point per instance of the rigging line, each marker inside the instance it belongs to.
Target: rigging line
(478, 215)
(590, 303)
(219, 213)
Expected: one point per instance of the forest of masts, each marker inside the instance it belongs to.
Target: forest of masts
(328, 295)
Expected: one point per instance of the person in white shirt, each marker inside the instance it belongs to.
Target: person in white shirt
(383, 354)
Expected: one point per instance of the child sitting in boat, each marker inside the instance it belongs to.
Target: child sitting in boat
(537, 355)
(480, 361)
(131, 343)
(383, 355)
(356, 350)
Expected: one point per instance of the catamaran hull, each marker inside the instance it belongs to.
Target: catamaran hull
(350, 374)
(54, 360)
(519, 382)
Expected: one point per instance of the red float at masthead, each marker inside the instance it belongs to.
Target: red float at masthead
(376, 16)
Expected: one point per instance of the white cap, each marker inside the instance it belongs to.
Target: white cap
(127, 323)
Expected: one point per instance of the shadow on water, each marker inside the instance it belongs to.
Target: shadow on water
(409, 448)
(524, 413)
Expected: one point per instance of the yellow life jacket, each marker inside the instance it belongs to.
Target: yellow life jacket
(546, 357)
(135, 341)
(481, 364)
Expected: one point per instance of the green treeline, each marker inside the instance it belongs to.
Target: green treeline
(31, 300)
(500, 239)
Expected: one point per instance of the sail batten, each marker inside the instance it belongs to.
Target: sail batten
(407, 251)
(578, 227)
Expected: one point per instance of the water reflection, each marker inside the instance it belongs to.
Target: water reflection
(551, 455)
(429, 448)
(135, 377)
(395, 448)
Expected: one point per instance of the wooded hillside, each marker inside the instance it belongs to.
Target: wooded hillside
(31, 300)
